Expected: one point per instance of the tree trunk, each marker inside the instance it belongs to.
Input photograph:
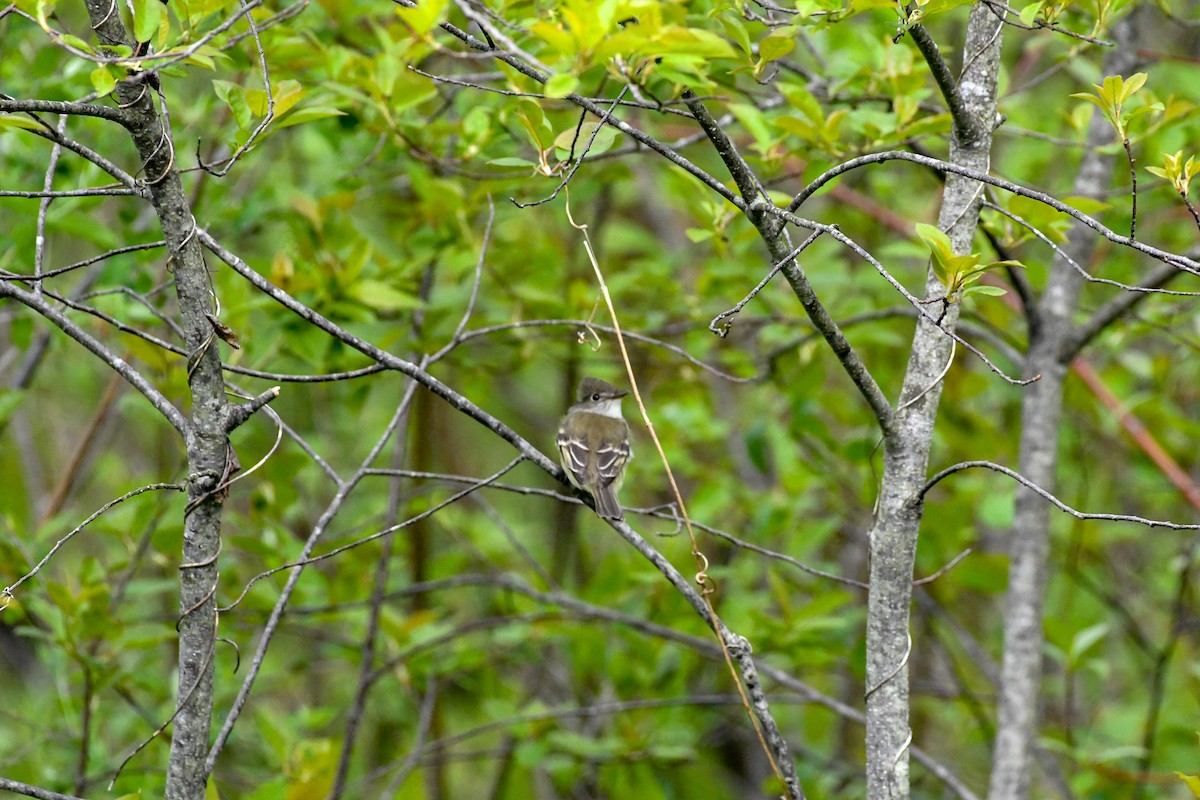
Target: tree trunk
(906, 455)
(1041, 413)
(210, 460)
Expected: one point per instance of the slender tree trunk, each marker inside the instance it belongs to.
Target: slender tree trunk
(210, 460)
(906, 456)
(1041, 414)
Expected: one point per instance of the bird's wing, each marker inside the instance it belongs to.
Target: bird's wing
(610, 460)
(574, 456)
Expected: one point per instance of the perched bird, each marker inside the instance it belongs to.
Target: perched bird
(593, 444)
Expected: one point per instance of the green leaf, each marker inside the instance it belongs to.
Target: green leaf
(1091, 98)
(234, 97)
(941, 249)
(308, 115)
(1029, 13)
(76, 42)
(753, 120)
(382, 297)
(420, 18)
(147, 16)
(511, 161)
(776, 46)
(285, 95)
(736, 30)
(1130, 86)
(102, 80)
(986, 291)
(553, 35)
(803, 101)
(1088, 205)
(1086, 639)
(941, 6)
(604, 139)
(1192, 782)
(205, 56)
(561, 85)
(702, 43)
(970, 274)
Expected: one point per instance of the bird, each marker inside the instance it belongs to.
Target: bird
(593, 444)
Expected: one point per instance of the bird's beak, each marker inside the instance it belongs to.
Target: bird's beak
(619, 393)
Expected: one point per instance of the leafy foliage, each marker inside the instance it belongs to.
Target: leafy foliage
(519, 646)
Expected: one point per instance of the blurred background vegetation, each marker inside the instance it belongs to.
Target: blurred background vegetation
(368, 199)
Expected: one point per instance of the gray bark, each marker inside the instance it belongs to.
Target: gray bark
(1049, 354)
(894, 534)
(208, 453)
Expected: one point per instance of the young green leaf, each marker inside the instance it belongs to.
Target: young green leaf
(561, 85)
(941, 250)
(147, 15)
(102, 79)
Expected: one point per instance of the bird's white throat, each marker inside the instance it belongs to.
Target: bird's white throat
(607, 408)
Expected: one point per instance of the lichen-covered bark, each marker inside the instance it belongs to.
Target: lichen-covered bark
(207, 440)
(1041, 412)
(893, 536)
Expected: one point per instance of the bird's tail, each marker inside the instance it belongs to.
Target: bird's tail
(607, 505)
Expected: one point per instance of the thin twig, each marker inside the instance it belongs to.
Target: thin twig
(133, 377)
(723, 330)
(1021, 479)
(1083, 273)
(1181, 262)
(8, 592)
(582, 156)
(267, 119)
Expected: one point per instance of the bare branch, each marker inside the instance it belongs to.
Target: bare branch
(390, 361)
(96, 192)
(779, 246)
(723, 329)
(664, 107)
(424, 722)
(298, 567)
(267, 119)
(579, 161)
(1152, 286)
(595, 109)
(1011, 16)
(16, 787)
(135, 378)
(965, 124)
(921, 306)
(11, 105)
(1150, 523)
(699, 644)
(1181, 262)
(50, 273)
(243, 411)
(8, 591)
(953, 562)
(1114, 309)
(454, 498)
(48, 132)
(593, 326)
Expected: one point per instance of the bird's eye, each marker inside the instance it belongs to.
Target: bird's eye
(596, 397)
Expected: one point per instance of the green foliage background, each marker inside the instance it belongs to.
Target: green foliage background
(373, 182)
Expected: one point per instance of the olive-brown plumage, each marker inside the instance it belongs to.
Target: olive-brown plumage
(593, 444)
